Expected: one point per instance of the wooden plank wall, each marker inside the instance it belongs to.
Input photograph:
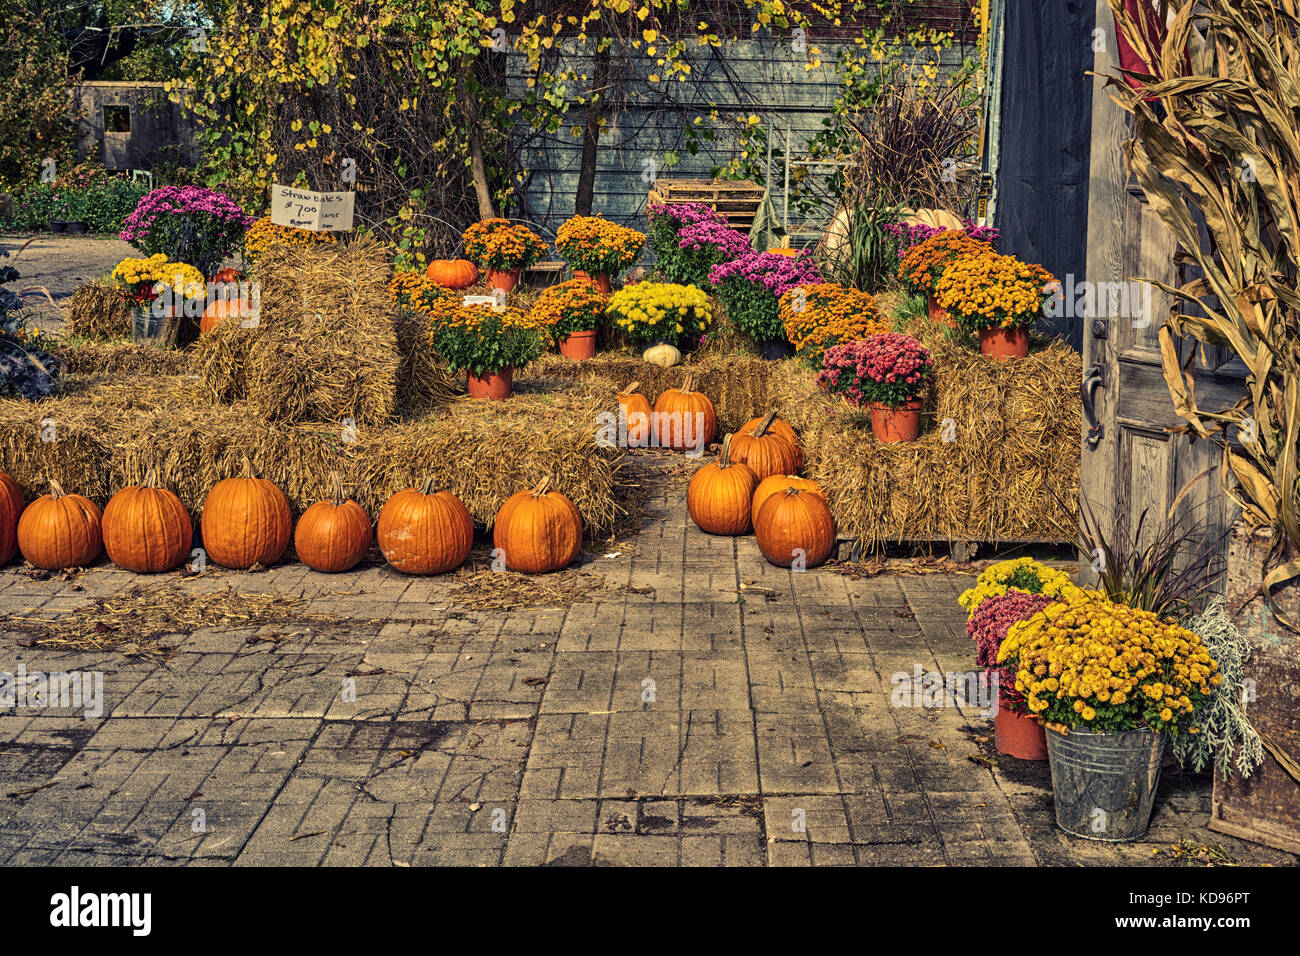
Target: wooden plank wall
(764, 77)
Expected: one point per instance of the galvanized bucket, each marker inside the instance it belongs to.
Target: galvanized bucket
(1104, 784)
(146, 327)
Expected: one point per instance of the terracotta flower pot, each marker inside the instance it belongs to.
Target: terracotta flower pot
(938, 313)
(1018, 735)
(579, 345)
(896, 424)
(1004, 344)
(490, 385)
(504, 279)
(599, 279)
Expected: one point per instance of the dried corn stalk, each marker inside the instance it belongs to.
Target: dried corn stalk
(1217, 148)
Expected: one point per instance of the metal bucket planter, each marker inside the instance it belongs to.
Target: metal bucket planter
(148, 328)
(1104, 785)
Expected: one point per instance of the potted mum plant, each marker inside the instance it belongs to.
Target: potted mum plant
(921, 265)
(667, 220)
(598, 250)
(503, 250)
(160, 293)
(815, 317)
(996, 297)
(190, 224)
(1113, 684)
(1016, 732)
(653, 313)
(888, 373)
(750, 287)
(487, 343)
(571, 311)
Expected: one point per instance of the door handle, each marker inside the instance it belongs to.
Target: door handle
(1093, 380)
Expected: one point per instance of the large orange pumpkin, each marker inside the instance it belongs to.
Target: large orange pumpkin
(719, 494)
(333, 535)
(227, 275)
(538, 530)
(422, 531)
(775, 483)
(635, 409)
(795, 526)
(12, 504)
(246, 521)
(766, 452)
(684, 420)
(783, 428)
(221, 308)
(146, 528)
(452, 273)
(59, 531)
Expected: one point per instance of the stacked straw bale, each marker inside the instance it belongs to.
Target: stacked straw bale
(324, 348)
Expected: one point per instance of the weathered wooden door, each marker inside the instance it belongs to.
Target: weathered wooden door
(1130, 461)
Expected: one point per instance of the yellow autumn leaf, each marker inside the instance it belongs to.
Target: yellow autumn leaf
(650, 35)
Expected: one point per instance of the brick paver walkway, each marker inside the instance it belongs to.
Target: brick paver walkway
(703, 708)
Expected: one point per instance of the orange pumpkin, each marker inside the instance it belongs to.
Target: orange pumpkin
(227, 275)
(452, 273)
(785, 251)
(765, 452)
(775, 483)
(333, 535)
(12, 504)
(246, 521)
(422, 531)
(795, 527)
(59, 531)
(684, 420)
(222, 308)
(635, 410)
(783, 428)
(719, 494)
(146, 528)
(538, 530)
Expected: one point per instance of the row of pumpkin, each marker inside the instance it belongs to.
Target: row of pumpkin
(246, 521)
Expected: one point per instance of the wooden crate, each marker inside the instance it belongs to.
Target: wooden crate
(1265, 808)
(738, 200)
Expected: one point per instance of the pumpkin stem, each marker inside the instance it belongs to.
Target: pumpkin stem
(336, 488)
(631, 388)
(56, 490)
(151, 478)
(761, 428)
(724, 457)
(247, 469)
(542, 486)
(426, 486)
(686, 384)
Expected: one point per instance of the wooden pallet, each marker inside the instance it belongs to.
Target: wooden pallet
(738, 200)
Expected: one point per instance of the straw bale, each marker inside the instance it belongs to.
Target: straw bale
(738, 385)
(483, 452)
(108, 433)
(424, 382)
(325, 346)
(1013, 458)
(122, 358)
(97, 311)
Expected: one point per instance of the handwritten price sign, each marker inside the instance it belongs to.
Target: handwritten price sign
(305, 209)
